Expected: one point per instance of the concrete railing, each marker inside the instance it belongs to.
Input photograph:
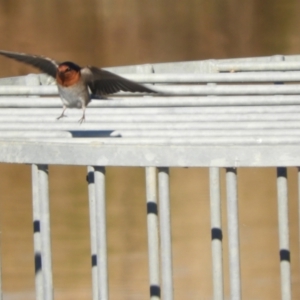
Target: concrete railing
(215, 114)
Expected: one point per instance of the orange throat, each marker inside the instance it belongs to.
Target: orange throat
(68, 79)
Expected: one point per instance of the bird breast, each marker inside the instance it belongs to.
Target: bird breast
(74, 96)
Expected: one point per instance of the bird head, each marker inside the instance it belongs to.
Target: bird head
(68, 73)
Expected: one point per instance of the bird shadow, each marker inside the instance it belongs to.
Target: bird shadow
(94, 133)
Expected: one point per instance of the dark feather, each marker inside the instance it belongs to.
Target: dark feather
(102, 82)
(45, 64)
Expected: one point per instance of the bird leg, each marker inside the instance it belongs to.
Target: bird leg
(62, 114)
(83, 116)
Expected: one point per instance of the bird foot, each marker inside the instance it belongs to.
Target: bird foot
(81, 120)
(61, 116)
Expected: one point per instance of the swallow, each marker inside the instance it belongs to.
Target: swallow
(77, 85)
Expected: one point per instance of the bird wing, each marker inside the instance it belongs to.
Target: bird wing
(45, 64)
(102, 82)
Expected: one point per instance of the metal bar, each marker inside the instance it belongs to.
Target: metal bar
(146, 133)
(153, 235)
(45, 231)
(175, 100)
(265, 76)
(223, 90)
(162, 117)
(102, 266)
(93, 230)
(210, 65)
(28, 90)
(263, 59)
(225, 100)
(215, 77)
(216, 233)
(34, 134)
(165, 234)
(40, 79)
(172, 89)
(1, 285)
(112, 127)
(204, 65)
(37, 242)
(150, 155)
(194, 133)
(233, 234)
(219, 141)
(283, 224)
(95, 110)
(259, 66)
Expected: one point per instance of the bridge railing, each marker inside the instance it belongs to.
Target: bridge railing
(214, 114)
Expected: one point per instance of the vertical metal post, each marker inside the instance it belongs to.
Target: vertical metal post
(233, 234)
(216, 233)
(37, 243)
(93, 231)
(299, 203)
(283, 220)
(165, 234)
(1, 290)
(45, 231)
(99, 176)
(153, 239)
(41, 223)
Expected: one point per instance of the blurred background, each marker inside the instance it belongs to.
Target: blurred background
(108, 33)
